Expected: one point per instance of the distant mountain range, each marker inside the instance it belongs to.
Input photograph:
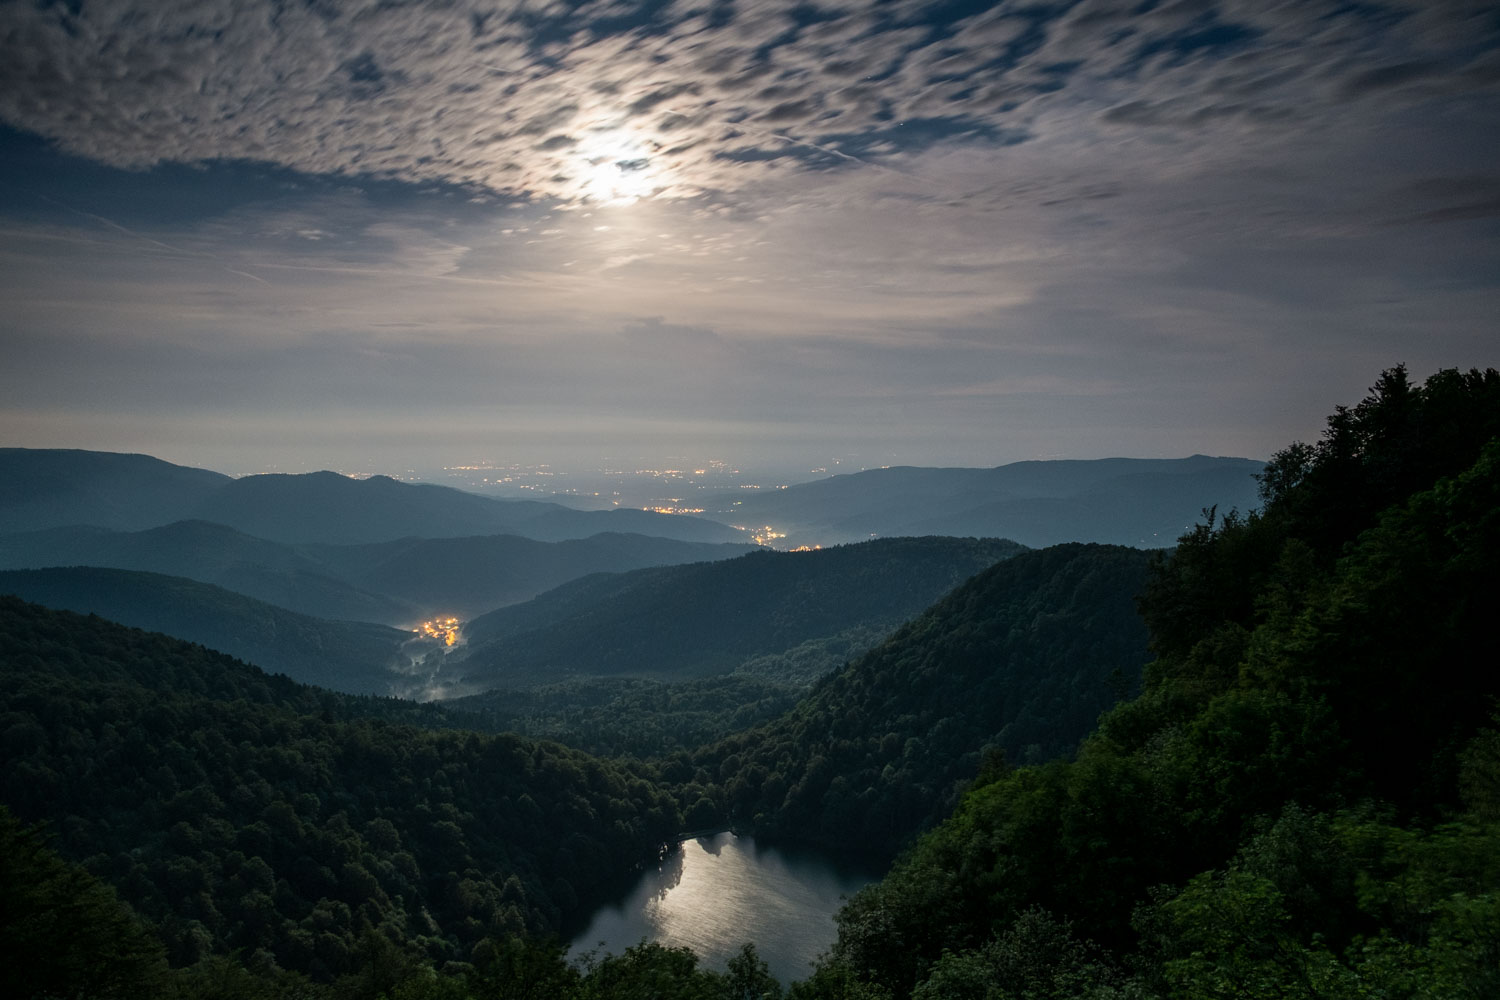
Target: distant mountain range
(1304, 790)
(378, 550)
(395, 582)
(42, 488)
(214, 554)
(1139, 502)
(1145, 503)
(469, 576)
(708, 618)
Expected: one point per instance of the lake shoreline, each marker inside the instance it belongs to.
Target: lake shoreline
(716, 890)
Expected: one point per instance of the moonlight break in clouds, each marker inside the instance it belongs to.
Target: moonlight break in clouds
(239, 233)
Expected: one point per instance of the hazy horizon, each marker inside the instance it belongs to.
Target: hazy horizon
(675, 485)
(242, 236)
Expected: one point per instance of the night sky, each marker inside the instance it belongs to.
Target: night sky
(314, 234)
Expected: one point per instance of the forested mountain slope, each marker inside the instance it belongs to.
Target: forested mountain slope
(471, 576)
(63, 932)
(631, 716)
(211, 553)
(46, 487)
(707, 618)
(1303, 800)
(395, 583)
(1020, 660)
(240, 811)
(354, 657)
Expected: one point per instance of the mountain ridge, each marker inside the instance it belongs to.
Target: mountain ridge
(1035, 502)
(213, 554)
(1019, 660)
(49, 488)
(707, 618)
(347, 656)
(397, 582)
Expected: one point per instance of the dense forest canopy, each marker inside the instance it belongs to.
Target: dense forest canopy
(1018, 661)
(701, 619)
(1298, 797)
(242, 812)
(1302, 800)
(353, 656)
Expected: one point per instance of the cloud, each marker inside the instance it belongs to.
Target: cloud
(1451, 199)
(529, 99)
(870, 220)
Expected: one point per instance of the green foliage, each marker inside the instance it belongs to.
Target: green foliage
(628, 716)
(680, 622)
(1421, 903)
(1398, 441)
(237, 811)
(749, 978)
(648, 971)
(348, 656)
(523, 969)
(509, 968)
(1020, 659)
(1302, 801)
(810, 661)
(1230, 940)
(528, 969)
(280, 575)
(63, 933)
(836, 981)
(1037, 957)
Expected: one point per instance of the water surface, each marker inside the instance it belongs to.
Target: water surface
(714, 893)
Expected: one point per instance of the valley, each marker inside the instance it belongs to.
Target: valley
(385, 764)
(749, 500)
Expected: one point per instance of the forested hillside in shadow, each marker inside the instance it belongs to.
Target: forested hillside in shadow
(354, 656)
(678, 622)
(1302, 800)
(239, 811)
(1017, 662)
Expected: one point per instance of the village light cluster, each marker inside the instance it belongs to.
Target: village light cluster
(443, 629)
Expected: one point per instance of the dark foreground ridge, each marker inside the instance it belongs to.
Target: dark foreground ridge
(1302, 801)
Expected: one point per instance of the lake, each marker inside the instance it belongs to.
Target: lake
(714, 893)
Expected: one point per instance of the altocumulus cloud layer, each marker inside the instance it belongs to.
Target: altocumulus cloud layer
(938, 231)
(532, 98)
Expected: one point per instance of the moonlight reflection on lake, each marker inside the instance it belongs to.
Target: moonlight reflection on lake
(715, 893)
